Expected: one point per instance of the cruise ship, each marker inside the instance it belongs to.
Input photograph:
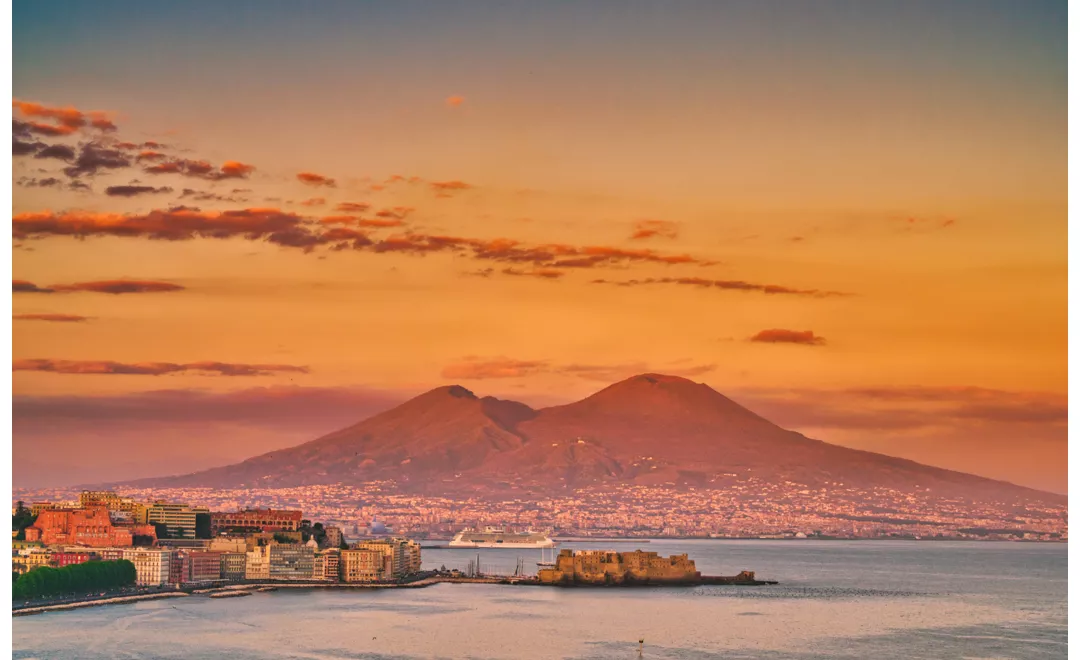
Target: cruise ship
(491, 537)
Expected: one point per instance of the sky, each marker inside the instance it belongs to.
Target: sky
(239, 225)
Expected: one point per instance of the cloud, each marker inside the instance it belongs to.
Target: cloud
(102, 286)
(542, 273)
(727, 285)
(314, 201)
(379, 222)
(396, 213)
(24, 147)
(449, 188)
(132, 191)
(200, 169)
(205, 196)
(102, 367)
(59, 151)
(48, 182)
(172, 224)
(780, 336)
(455, 101)
(653, 228)
(94, 156)
(23, 286)
(67, 120)
(352, 207)
(905, 407)
(150, 155)
(499, 367)
(474, 368)
(313, 179)
(56, 318)
(291, 230)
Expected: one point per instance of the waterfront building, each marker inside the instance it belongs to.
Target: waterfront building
(291, 561)
(109, 554)
(60, 559)
(328, 564)
(606, 567)
(363, 565)
(32, 558)
(151, 566)
(258, 563)
(233, 565)
(400, 556)
(255, 520)
(202, 566)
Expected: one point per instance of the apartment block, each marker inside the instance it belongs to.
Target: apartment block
(151, 566)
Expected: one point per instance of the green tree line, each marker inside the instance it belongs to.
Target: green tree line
(77, 578)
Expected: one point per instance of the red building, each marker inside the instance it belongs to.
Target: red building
(256, 520)
(68, 558)
(202, 566)
(90, 527)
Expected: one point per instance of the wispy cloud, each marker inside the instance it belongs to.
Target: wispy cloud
(104, 367)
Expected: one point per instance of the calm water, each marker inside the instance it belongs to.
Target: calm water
(837, 599)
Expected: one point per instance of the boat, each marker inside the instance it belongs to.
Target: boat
(493, 537)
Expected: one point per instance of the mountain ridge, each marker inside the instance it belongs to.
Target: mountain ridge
(650, 430)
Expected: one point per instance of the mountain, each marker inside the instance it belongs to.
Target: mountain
(647, 430)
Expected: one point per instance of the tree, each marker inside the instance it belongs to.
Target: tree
(202, 525)
(77, 578)
(283, 538)
(21, 519)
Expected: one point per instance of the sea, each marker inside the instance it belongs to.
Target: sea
(835, 599)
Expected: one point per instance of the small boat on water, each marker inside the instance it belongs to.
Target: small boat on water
(230, 594)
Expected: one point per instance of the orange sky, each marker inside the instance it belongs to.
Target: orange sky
(901, 219)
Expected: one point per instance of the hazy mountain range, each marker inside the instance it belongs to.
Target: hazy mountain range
(648, 430)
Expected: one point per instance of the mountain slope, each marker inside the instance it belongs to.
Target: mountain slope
(648, 430)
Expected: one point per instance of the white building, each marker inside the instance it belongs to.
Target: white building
(151, 566)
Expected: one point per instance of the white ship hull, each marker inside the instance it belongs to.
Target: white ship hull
(492, 537)
(489, 544)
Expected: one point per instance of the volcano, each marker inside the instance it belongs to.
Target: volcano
(650, 430)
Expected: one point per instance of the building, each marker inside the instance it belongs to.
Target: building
(258, 563)
(233, 565)
(228, 544)
(179, 519)
(334, 537)
(151, 566)
(31, 558)
(60, 559)
(120, 508)
(291, 561)
(331, 559)
(110, 554)
(400, 556)
(363, 565)
(91, 527)
(202, 566)
(255, 520)
(606, 567)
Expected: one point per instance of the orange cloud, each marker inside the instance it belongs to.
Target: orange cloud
(352, 207)
(312, 179)
(454, 101)
(727, 285)
(56, 318)
(314, 201)
(398, 212)
(102, 367)
(201, 169)
(780, 336)
(338, 219)
(653, 228)
(379, 222)
(67, 120)
(149, 155)
(449, 188)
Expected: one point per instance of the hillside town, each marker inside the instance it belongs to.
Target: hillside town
(176, 544)
(746, 508)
